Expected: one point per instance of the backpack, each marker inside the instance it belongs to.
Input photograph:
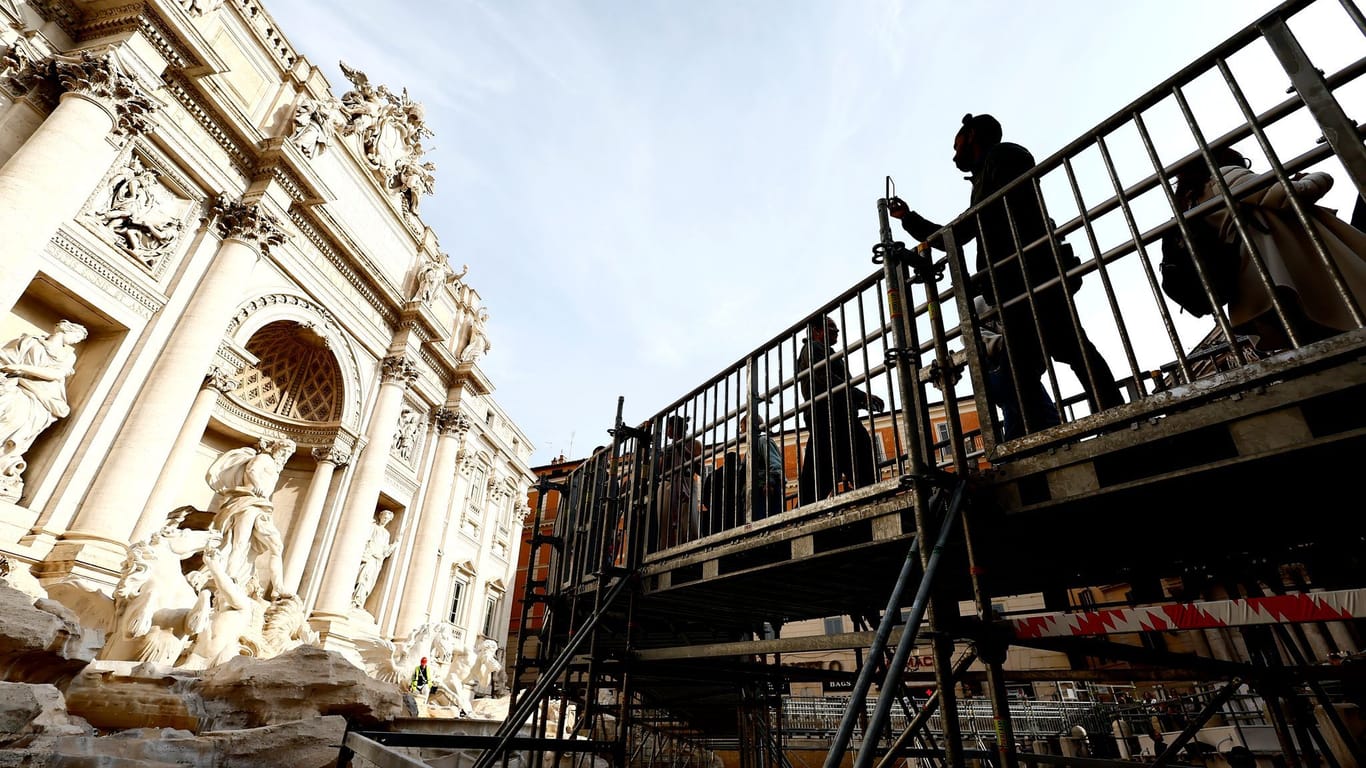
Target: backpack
(1221, 259)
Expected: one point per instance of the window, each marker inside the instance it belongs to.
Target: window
(834, 625)
(941, 437)
(477, 487)
(490, 613)
(457, 593)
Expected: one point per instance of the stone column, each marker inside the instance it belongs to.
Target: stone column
(413, 609)
(300, 544)
(191, 432)
(144, 442)
(343, 565)
(48, 179)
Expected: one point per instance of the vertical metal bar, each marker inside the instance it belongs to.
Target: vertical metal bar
(915, 420)
(1036, 324)
(1311, 229)
(840, 744)
(1000, 706)
(1355, 14)
(1338, 130)
(753, 450)
(891, 682)
(1220, 317)
(1100, 263)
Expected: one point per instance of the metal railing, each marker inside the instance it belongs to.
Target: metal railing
(819, 717)
(824, 395)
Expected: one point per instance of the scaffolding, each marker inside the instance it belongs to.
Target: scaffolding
(675, 562)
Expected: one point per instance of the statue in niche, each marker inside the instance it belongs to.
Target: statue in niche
(251, 549)
(132, 212)
(33, 374)
(478, 345)
(377, 550)
(314, 121)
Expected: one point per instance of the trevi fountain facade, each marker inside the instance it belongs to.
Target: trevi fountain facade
(243, 417)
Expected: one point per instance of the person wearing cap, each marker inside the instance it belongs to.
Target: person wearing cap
(422, 679)
(992, 164)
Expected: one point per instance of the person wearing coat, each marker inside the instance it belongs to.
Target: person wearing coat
(1303, 284)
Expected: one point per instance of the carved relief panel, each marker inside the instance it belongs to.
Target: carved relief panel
(139, 213)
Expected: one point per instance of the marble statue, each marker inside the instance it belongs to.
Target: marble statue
(448, 662)
(478, 345)
(390, 129)
(314, 121)
(222, 614)
(33, 374)
(153, 601)
(486, 664)
(377, 550)
(131, 210)
(433, 274)
(408, 433)
(231, 606)
(413, 180)
(251, 547)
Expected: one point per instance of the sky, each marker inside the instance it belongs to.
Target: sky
(644, 191)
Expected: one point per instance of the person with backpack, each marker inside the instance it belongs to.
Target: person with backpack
(993, 165)
(1304, 287)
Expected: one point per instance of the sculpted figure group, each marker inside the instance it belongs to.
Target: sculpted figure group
(233, 604)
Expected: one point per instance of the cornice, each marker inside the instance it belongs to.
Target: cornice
(282, 160)
(333, 251)
(470, 377)
(181, 44)
(239, 151)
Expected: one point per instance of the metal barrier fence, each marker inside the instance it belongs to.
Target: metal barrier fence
(819, 717)
(818, 411)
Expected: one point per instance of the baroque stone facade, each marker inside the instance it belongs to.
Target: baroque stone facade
(238, 342)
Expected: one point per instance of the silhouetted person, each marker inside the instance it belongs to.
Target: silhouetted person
(1304, 288)
(993, 164)
(679, 498)
(837, 447)
(770, 477)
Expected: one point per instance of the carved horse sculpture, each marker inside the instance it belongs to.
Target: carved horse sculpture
(148, 617)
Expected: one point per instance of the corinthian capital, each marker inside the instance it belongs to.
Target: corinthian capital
(398, 368)
(333, 455)
(96, 75)
(247, 222)
(219, 379)
(451, 422)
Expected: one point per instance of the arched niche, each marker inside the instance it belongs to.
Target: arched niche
(299, 350)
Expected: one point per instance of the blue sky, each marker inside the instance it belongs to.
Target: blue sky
(646, 190)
